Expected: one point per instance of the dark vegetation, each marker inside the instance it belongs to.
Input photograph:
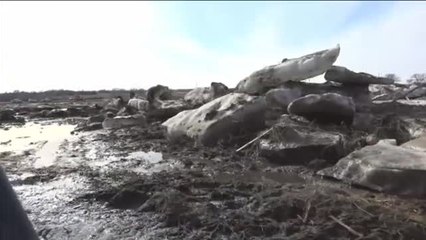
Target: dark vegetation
(61, 94)
(52, 95)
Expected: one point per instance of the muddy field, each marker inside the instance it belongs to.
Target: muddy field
(133, 184)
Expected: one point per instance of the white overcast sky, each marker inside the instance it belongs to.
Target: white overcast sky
(105, 45)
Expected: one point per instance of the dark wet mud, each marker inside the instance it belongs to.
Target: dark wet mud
(132, 184)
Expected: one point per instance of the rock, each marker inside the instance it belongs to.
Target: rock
(158, 93)
(383, 167)
(388, 141)
(281, 97)
(346, 76)
(417, 93)
(114, 105)
(378, 89)
(401, 129)
(19, 119)
(7, 115)
(277, 101)
(418, 144)
(138, 104)
(372, 139)
(393, 92)
(5, 143)
(411, 108)
(57, 113)
(40, 114)
(76, 112)
(90, 127)
(366, 122)
(296, 143)
(325, 108)
(199, 96)
(124, 121)
(127, 110)
(296, 69)
(166, 109)
(218, 90)
(47, 112)
(223, 117)
(44, 107)
(96, 118)
(359, 93)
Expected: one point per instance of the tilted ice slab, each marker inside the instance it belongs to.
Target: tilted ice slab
(295, 69)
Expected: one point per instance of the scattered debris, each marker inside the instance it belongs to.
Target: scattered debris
(254, 140)
(359, 235)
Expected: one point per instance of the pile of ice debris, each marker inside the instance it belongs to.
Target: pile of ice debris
(355, 127)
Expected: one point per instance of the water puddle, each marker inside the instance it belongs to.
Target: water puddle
(43, 139)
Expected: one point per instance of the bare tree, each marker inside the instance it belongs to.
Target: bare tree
(417, 78)
(393, 76)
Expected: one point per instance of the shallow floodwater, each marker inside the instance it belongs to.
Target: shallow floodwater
(45, 139)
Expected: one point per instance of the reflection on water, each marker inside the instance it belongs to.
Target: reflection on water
(44, 139)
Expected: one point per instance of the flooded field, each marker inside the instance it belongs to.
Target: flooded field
(132, 184)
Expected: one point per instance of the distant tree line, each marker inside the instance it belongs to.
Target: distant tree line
(64, 94)
(417, 78)
(414, 79)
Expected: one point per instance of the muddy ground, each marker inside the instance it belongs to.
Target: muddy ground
(133, 184)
